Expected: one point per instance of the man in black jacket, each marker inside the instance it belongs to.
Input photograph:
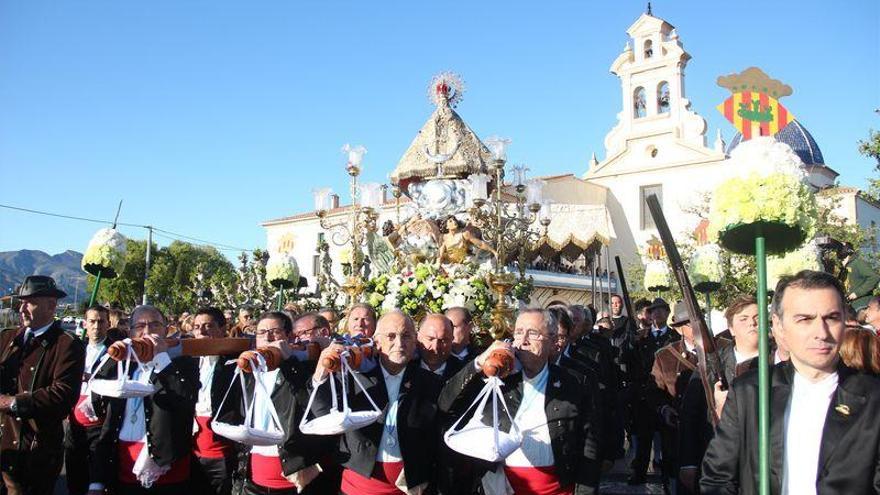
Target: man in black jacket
(434, 341)
(645, 420)
(551, 407)
(294, 466)
(83, 427)
(160, 424)
(214, 457)
(824, 433)
(400, 451)
(462, 329)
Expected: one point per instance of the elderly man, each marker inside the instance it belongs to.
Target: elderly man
(551, 407)
(84, 429)
(146, 443)
(673, 366)
(214, 457)
(462, 328)
(361, 320)
(310, 327)
(41, 369)
(596, 351)
(824, 433)
(397, 454)
(435, 345)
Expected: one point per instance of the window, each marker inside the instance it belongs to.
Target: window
(663, 97)
(649, 49)
(639, 109)
(320, 238)
(647, 221)
(316, 265)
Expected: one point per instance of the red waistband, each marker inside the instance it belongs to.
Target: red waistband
(128, 454)
(536, 481)
(207, 444)
(77, 416)
(381, 482)
(266, 472)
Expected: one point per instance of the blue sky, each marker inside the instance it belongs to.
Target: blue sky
(208, 117)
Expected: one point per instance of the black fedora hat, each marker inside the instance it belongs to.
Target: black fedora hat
(658, 302)
(40, 286)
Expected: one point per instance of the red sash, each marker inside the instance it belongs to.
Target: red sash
(128, 454)
(536, 481)
(208, 445)
(266, 472)
(77, 416)
(381, 482)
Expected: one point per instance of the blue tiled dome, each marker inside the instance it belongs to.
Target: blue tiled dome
(798, 138)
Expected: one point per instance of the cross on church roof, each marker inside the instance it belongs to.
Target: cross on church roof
(649, 9)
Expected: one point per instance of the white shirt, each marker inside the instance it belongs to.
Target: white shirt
(439, 371)
(134, 428)
(262, 416)
(740, 357)
(206, 377)
(389, 445)
(531, 418)
(804, 422)
(93, 354)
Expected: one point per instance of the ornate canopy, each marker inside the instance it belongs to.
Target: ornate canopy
(576, 230)
(445, 146)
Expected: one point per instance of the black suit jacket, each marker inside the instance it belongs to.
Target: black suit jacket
(418, 424)
(231, 413)
(568, 406)
(168, 412)
(849, 456)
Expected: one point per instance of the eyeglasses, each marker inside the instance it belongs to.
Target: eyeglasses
(532, 334)
(150, 324)
(274, 331)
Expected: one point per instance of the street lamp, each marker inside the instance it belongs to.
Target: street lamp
(352, 228)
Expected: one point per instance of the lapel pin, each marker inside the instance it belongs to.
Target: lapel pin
(407, 385)
(842, 409)
(557, 384)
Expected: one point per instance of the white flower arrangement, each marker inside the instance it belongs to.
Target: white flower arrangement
(705, 267)
(657, 277)
(105, 254)
(767, 185)
(282, 271)
(804, 258)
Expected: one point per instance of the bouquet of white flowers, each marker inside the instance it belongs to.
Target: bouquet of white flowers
(766, 193)
(657, 277)
(105, 254)
(705, 268)
(282, 271)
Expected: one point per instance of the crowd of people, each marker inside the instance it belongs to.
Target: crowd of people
(581, 388)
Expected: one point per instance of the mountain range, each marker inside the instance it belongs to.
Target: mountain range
(63, 267)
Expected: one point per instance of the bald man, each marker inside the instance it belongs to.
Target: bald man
(435, 346)
(399, 452)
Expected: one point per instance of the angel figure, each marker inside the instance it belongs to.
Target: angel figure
(456, 241)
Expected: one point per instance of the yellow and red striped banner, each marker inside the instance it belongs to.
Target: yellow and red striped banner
(755, 114)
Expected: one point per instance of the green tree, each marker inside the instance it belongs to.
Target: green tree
(173, 281)
(871, 148)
